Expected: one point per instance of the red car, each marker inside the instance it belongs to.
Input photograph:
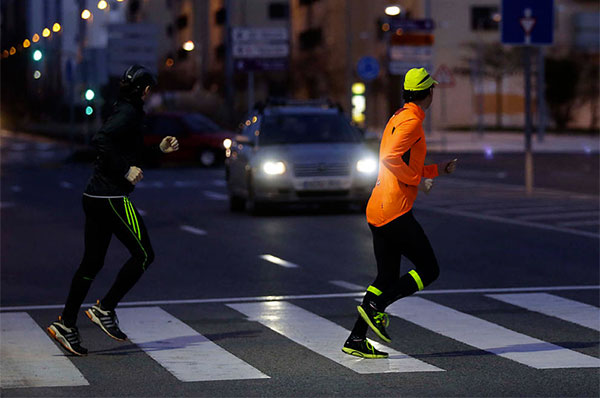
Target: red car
(200, 139)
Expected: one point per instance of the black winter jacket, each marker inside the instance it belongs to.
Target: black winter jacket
(119, 143)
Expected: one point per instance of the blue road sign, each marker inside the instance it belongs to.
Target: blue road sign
(527, 22)
(367, 68)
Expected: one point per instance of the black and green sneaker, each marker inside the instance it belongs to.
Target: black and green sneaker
(376, 320)
(362, 348)
(68, 337)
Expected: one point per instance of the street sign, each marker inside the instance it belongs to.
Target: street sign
(527, 22)
(367, 68)
(444, 77)
(260, 48)
(131, 43)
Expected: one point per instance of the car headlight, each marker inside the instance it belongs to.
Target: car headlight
(273, 168)
(366, 165)
(227, 143)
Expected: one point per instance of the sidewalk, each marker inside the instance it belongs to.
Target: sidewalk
(499, 142)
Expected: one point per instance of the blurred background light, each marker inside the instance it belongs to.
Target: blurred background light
(102, 4)
(358, 88)
(46, 32)
(37, 74)
(393, 11)
(188, 45)
(86, 14)
(89, 94)
(26, 43)
(13, 50)
(89, 110)
(35, 38)
(56, 27)
(37, 55)
(169, 62)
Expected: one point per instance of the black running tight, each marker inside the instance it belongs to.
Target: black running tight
(103, 218)
(400, 237)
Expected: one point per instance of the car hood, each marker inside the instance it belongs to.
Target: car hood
(314, 153)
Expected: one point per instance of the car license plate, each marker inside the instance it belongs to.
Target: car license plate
(325, 185)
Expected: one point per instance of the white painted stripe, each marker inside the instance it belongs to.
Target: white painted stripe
(151, 184)
(559, 216)
(192, 230)
(185, 353)
(579, 223)
(215, 195)
(325, 337)
(279, 261)
(536, 209)
(347, 285)
(508, 221)
(304, 297)
(488, 336)
(219, 183)
(559, 307)
(66, 185)
(186, 184)
(30, 358)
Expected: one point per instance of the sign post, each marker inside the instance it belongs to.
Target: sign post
(528, 23)
(367, 69)
(445, 80)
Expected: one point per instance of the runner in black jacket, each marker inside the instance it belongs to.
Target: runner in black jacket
(109, 211)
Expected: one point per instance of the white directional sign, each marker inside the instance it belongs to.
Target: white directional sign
(260, 48)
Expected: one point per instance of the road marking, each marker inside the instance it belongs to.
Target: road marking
(488, 336)
(215, 195)
(537, 209)
(185, 353)
(325, 337)
(219, 183)
(305, 297)
(152, 184)
(559, 307)
(30, 358)
(559, 216)
(142, 212)
(66, 185)
(579, 223)
(16, 188)
(279, 261)
(192, 230)
(508, 221)
(347, 285)
(186, 184)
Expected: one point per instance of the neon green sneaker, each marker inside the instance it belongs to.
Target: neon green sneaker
(362, 348)
(376, 320)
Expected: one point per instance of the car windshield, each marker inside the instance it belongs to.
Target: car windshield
(198, 122)
(282, 128)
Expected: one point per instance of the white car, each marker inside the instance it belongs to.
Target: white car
(298, 152)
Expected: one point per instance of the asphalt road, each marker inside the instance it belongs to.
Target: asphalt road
(228, 322)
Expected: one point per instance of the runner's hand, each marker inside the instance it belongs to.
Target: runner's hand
(448, 167)
(134, 175)
(169, 144)
(426, 184)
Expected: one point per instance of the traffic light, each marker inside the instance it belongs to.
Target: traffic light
(37, 55)
(89, 95)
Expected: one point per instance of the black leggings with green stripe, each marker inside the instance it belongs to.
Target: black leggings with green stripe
(103, 218)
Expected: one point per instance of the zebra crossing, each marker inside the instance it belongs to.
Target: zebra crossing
(572, 213)
(31, 359)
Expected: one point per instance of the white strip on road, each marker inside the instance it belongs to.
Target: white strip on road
(561, 216)
(304, 297)
(66, 185)
(584, 223)
(508, 221)
(488, 336)
(185, 353)
(192, 230)
(215, 195)
(347, 285)
(325, 337)
(279, 261)
(549, 304)
(219, 183)
(536, 209)
(30, 358)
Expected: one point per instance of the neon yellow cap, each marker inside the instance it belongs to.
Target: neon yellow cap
(418, 79)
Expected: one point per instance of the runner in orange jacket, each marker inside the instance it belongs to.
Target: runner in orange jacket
(396, 233)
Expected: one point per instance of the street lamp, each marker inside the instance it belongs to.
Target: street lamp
(188, 45)
(26, 43)
(86, 14)
(102, 4)
(392, 11)
(56, 27)
(46, 32)
(35, 38)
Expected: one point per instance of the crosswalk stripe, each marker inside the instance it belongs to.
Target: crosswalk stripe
(558, 307)
(580, 223)
(325, 337)
(488, 336)
(30, 358)
(185, 353)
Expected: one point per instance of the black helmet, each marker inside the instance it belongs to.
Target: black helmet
(139, 77)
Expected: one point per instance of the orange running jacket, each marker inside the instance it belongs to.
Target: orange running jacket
(401, 166)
